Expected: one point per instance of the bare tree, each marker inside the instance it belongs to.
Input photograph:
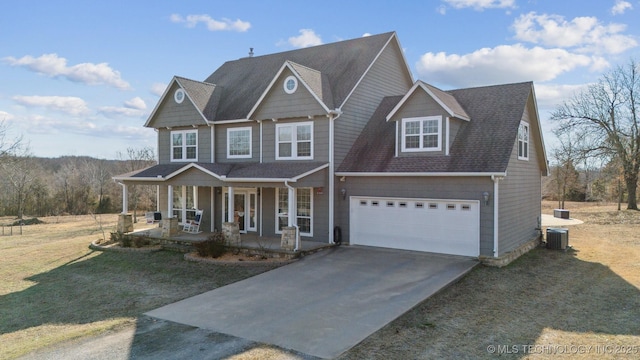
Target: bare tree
(135, 159)
(565, 177)
(8, 146)
(607, 114)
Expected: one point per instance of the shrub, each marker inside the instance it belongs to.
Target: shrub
(215, 246)
(140, 241)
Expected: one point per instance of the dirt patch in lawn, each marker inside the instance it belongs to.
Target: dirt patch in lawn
(582, 303)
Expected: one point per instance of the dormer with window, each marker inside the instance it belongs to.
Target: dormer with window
(427, 121)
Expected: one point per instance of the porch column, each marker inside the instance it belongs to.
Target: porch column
(291, 206)
(230, 208)
(125, 198)
(170, 201)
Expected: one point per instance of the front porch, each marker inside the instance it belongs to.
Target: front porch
(249, 243)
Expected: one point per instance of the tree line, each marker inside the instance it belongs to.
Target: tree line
(599, 132)
(76, 185)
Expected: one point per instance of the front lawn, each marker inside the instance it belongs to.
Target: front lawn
(54, 288)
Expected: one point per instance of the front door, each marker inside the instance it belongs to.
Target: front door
(244, 208)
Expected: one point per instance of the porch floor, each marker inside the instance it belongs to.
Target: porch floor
(250, 241)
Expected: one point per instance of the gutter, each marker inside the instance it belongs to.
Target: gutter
(422, 174)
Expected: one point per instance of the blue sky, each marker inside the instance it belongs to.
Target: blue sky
(81, 77)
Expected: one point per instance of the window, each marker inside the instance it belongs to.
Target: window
(422, 133)
(290, 84)
(523, 141)
(185, 202)
(184, 145)
(294, 141)
(239, 143)
(304, 206)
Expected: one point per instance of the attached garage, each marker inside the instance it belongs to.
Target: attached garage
(432, 225)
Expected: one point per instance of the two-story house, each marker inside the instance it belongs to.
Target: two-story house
(340, 141)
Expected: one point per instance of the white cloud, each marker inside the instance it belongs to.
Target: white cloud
(135, 103)
(158, 88)
(620, 7)
(68, 104)
(307, 38)
(585, 34)
(479, 4)
(38, 124)
(549, 96)
(116, 111)
(191, 21)
(5, 116)
(88, 73)
(502, 64)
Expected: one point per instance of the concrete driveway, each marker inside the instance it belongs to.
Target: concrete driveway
(323, 304)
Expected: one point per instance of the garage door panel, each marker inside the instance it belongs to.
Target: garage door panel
(442, 226)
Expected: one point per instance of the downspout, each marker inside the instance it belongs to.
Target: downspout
(260, 122)
(333, 115)
(291, 209)
(496, 213)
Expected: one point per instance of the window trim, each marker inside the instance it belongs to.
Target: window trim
(525, 142)
(421, 135)
(181, 191)
(234, 129)
(286, 81)
(294, 141)
(184, 146)
(277, 214)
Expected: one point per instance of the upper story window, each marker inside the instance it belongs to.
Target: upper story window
(523, 141)
(290, 84)
(239, 142)
(294, 141)
(422, 133)
(184, 145)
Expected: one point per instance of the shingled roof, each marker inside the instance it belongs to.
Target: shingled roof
(230, 172)
(483, 144)
(341, 64)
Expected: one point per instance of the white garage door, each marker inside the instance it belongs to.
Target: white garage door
(440, 226)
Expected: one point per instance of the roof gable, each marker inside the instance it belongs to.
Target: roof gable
(310, 79)
(202, 96)
(445, 100)
(343, 65)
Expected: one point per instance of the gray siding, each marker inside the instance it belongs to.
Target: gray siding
(520, 193)
(278, 104)
(465, 188)
(417, 105)
(221, 142)
(454, 127)
(171, 114)
(385, 78)
(320, 138)
(204, 143)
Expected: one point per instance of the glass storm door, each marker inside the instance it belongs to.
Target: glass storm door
(239, 214)
(244, 209)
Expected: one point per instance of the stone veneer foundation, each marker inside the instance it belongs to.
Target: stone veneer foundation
(507, 258)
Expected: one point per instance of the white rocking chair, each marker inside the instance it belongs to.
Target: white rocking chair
(193, 226)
